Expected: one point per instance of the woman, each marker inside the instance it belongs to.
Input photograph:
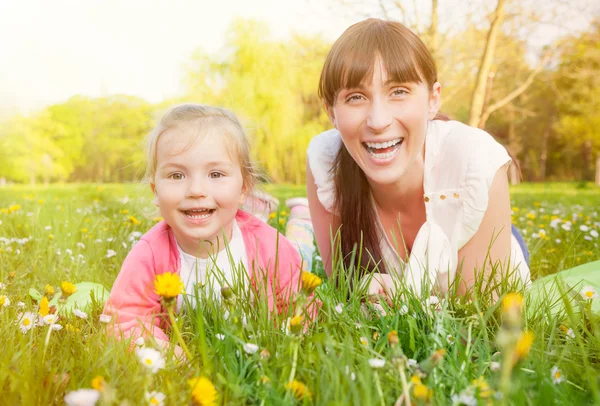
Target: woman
(425, 197)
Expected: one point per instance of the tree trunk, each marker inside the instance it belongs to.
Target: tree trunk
(587, 160)
(544, 152)
(478, 96)
(598, 171)
(514, 171)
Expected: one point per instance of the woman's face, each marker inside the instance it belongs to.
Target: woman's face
(383, 124)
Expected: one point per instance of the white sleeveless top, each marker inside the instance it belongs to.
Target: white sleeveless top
(460, 164)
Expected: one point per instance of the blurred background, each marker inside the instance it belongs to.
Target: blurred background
(81, 82)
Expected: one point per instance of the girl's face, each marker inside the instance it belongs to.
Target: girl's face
(198, 188)
(383, 124)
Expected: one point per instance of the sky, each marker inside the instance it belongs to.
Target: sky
(51, 50)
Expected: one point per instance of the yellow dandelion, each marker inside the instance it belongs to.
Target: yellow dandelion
(512, 302)
(265, 379)
(422, 392)
(72, 329)
(168, 285)
(44, 309)
(284, 213)
(272, 215)
(49, 290)
(133, 220)
(157, 219)
(392, 337)
(98, 383)
(124, 211)
(482, 387)
(203, 391)
(67, 288)
(295, 324)
(83, 230)
(523, 345)
(298, 389)
(310, 282)
(51, 236)
(41, 201)
(281, 221)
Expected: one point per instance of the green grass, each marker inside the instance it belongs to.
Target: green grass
(64, 233)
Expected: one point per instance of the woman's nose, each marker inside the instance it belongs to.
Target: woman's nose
(380, 116)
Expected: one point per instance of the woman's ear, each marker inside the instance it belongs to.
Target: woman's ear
(435, 100)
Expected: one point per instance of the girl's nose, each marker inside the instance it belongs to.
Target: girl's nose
(380, 116)
(196, 188)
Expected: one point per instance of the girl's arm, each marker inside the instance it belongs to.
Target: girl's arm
(322, 220)
(496, 227)
(134, 306)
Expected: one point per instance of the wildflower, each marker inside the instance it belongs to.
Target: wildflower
(298, 389)
(411, 363)
(50, 319)
(294, 325)
(151, 359)
(67, 289)
(265, 353)
(82, 397)
(568, 331)
(594, 233)
(523, 345)
(80, 245)
(49, 290)
(392, 338)
(589, 293)
(27, 321)
(168, 285)
(339, 308)
(2, 286)
(310, 282)
(364, 341)
(483, 388)
(250, 348)
(140, 341)
(584, 228)
(133, 220)
(56, 327)
(420, 391)
(556, 375)
(80, 314)
(494, 366)
(403, 310)
(450, 339)
(44, 308)
(203, 391)
(4, 301)
(98, 383)
(20, 305)
(155, 398)
(72, 329)
(376, 363)
(265, 379)
(466, 397)
(220, 336)
(512, 309)
(105, 318)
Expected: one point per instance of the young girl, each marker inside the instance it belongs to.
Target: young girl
(199, 169)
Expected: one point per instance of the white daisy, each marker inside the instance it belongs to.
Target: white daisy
(151, 358)
(412, 363)
(466, 398)
(220, 336)
(403, 310)
(450, 339)
(56, 327)
(2, 286)
(584, 228)
(50, 319)
(250, 348)
(364, 341)
(48, 228)
(140, 342)
(80, 245)
(594, 233)
(69, 251)
(557, 376)
(80, 314)
(155, 398)
(110, 254)
(589, 293)
(4, 301)
(27, 321)
(494, 366)
(105, 318)
(82, 397)
(570, 333)
(339, 308)
(20, 305)
(376, 363)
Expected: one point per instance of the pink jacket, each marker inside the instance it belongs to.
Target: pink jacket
(135, 307)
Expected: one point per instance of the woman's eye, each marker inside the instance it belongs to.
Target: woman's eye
(399, 92)
(176, 176)
(216, 175)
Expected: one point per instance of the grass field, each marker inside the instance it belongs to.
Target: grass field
(457, 347)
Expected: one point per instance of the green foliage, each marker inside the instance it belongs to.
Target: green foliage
(64, 233)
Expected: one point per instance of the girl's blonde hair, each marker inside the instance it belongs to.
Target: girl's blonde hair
(205, 121)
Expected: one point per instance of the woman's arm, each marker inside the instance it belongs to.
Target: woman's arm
(322, 220)
(496, 226)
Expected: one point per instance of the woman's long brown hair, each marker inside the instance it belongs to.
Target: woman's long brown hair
(349, 63)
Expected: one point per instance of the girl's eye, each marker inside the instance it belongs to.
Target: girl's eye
(216, 175)
(176, 176)
(354, 97)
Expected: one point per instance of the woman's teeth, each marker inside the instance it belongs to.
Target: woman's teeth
(198, 214)
(382, 150)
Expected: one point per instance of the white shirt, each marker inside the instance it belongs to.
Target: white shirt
(460, 164)
(212, 273)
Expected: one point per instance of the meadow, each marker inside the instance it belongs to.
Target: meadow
(469, 350)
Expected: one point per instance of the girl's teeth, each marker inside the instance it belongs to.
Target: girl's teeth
(387, 144)
(382, 156)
